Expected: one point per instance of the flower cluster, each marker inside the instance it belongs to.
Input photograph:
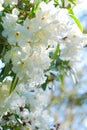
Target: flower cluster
(31, 41)
(30, 106)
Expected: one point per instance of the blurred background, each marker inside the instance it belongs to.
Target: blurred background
(69, 102)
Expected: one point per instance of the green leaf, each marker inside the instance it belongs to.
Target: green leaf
(5, 71)
(72, 1)
(13, 84)
(85, 31)
(68, 6)
(61, 77)
(46, 1)
(56, 2)
(63, 3)
(36, 6)
(44, 85)
(70, 11)
(76, 20)
(55, 54)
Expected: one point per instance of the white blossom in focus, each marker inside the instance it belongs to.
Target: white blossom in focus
(28, 67)
(34, 36)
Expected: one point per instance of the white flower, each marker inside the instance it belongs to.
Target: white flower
(81, 2)
(15, 11)
(25, 115)
(34, 36)
(28, 67)
(15, 101)
(9, 24)
(1, 7)
(4, 93)
(11, 2)
(15, 54)
(40, 119)
(18, 35)
(1, 64)
(72, 45)
(37, 99)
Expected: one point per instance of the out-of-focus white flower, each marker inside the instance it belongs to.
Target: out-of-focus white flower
(1, 64)
(72, 44)
(11, 2)
(4, 93)
(25, 115)
(81, 2)
(14, 102)
(40, 120)
(34, 96)
(1, 128)
(1, 7)
(36, 99)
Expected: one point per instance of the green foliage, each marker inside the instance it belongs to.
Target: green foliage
(7, 8)
(62, 67)
(4, 47)
(44, 85)
(46, 1)
(71, 14)
(61, 3)
(85, 31)
(56, 3)
(14, 83)
(56, 53)
(72, 1)
(17, 124)
(27, 8)
(5, 71)
(36, 7)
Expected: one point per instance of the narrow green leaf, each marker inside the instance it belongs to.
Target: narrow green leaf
(5, 71)
(56, 2)
(63, 3)
(72, 1)
(44, 85)
(85, 31)
(60, 76)
(46, 1)
(77, 22)
(70, 11)
(68, 6)
(13, 84)
(54, 56)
